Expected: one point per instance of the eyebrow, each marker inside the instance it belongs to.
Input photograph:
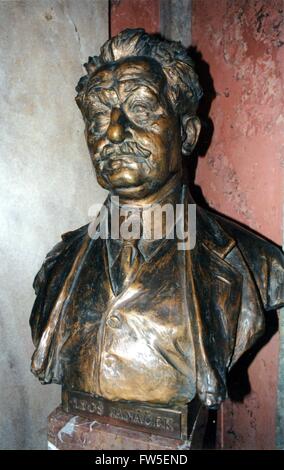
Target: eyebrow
(140, 83)
(97, 99)
(99, 86)
(95, 90)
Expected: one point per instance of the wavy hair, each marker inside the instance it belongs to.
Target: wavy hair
(183, 87)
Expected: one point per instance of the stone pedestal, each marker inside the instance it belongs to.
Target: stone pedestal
(68, 431)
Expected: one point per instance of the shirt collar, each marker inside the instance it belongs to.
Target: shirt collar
(170, 193)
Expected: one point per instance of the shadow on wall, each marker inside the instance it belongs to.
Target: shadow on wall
(207, 127)
(238, 378)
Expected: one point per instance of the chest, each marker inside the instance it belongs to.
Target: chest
(155, 294)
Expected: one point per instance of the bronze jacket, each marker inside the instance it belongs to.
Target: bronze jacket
(231, 277)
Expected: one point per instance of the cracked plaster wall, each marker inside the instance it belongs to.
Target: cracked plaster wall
(46, 181)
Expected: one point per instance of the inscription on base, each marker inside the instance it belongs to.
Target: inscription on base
(162, 421)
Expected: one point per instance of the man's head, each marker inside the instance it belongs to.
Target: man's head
(139, 103)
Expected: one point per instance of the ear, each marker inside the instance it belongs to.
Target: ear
(191, 126)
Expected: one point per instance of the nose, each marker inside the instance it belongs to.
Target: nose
(116, 129)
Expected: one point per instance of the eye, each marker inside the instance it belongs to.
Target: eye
(98, 115)
(139, 108)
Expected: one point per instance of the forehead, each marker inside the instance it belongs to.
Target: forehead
(139, 71)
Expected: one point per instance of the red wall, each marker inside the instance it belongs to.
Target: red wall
(135, 14)
(242, 172)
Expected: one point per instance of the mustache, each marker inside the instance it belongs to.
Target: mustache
(128, 148)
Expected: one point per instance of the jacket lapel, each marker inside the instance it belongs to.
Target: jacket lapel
(233, 293)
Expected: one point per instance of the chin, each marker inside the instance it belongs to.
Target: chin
(127, 188)
(121, 182)
(129, 184)
(131, 192)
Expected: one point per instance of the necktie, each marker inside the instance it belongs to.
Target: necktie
(125, 266)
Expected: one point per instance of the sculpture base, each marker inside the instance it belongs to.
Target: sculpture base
(68, 431)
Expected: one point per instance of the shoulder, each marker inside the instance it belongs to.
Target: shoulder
(264, 258)
(51, 275)
(68, 241)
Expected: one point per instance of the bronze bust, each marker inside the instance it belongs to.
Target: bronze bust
(145, 322)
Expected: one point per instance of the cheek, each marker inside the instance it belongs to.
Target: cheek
(164, 141)
(158, 137)
(94, 145)
(168, 131)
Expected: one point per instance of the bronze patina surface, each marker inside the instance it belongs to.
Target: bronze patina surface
(142, 321)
